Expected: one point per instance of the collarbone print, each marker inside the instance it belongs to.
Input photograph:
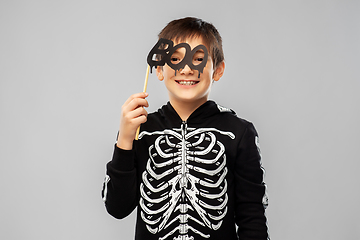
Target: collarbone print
(184, 189)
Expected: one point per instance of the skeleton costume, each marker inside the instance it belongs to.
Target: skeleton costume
(190, 180)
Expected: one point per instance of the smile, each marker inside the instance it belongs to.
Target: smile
(188, 83)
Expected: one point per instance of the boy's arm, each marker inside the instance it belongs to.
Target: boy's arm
(120, 186)
(251, 199)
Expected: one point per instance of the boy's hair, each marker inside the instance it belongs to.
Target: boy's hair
(180, 29)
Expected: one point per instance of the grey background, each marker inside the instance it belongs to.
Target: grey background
(66, 67)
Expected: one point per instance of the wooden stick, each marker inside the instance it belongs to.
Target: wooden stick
(145, 86)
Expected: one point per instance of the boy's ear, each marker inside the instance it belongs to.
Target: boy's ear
(219, 71)
(159, 73)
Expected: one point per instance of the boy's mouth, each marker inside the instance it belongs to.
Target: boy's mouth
(187, 82)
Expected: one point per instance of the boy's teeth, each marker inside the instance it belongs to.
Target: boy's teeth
(187, 82)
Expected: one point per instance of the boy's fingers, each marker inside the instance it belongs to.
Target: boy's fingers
(136, 103)
(137, 113)
(140, 119)
(136, 95)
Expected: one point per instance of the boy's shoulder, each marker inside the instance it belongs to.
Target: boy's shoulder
(231, 115)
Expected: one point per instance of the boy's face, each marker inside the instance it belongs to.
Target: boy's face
(185, 86)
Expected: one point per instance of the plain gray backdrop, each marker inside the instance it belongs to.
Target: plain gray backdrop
(66, 67)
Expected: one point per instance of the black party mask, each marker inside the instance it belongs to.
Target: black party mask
(164, 50)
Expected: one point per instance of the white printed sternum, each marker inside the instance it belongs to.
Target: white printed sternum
(184, 190)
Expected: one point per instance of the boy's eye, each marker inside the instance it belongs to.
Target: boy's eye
(175, 60)
(198, 60)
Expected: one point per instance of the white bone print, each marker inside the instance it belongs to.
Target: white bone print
(184, 182)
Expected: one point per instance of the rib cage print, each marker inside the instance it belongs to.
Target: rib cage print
(184, 189)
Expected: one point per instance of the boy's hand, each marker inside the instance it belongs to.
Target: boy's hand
(132, 115)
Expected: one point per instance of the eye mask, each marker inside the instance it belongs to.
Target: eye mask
(164, 50)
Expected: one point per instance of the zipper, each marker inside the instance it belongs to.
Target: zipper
(183, 182)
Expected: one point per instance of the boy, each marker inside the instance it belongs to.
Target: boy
(195, 171)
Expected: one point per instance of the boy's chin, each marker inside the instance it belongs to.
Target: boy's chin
(191, 99)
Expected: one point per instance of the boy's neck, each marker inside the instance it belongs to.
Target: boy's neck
(185, 109)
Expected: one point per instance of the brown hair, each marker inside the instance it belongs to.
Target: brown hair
(180, 29)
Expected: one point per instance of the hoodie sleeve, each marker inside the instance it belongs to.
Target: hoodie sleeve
(119, 190)
(251, 199)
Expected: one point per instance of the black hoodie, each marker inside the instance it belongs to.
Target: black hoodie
(190, 180)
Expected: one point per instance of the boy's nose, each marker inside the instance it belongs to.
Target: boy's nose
(186, 70)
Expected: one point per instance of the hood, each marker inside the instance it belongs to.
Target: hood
(201, 114)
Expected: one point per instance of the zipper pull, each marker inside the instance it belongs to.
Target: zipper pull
(184, 127)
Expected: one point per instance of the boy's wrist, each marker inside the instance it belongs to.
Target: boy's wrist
(124, 144)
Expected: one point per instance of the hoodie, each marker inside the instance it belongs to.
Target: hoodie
(194, 179)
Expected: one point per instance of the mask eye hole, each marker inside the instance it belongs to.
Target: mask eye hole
(198, 57)
(178, 56)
